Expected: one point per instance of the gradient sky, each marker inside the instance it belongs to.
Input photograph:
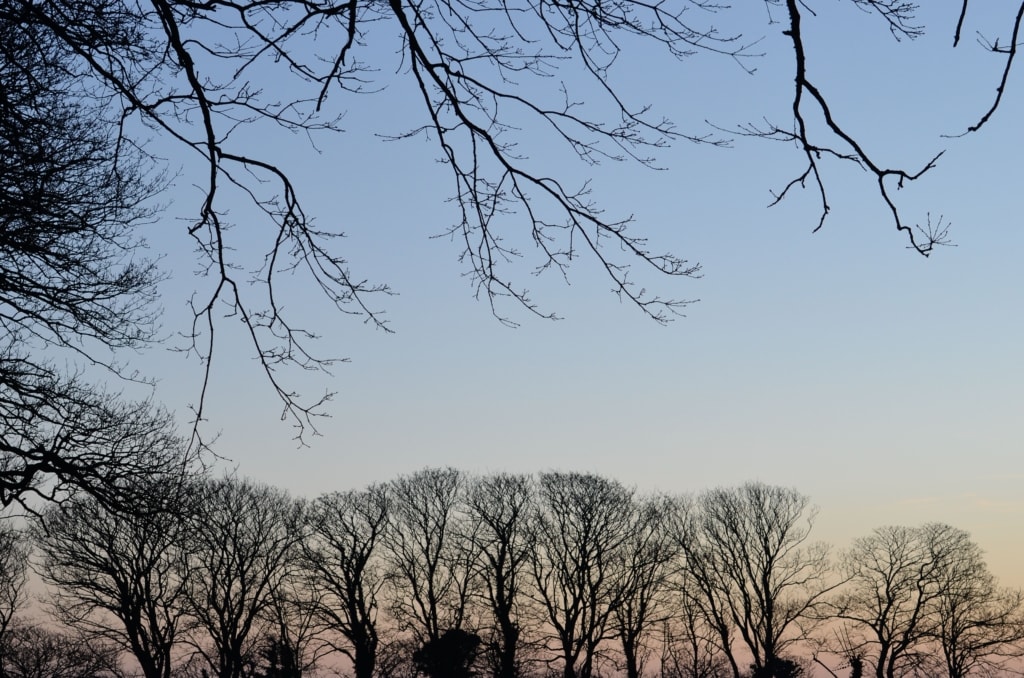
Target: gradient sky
(887, 386)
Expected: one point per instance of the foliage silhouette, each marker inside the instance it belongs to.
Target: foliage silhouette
(450, 655)
(777, 667)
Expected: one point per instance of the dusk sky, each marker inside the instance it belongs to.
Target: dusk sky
(886, 386)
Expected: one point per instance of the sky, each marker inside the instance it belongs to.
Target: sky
(886, 386)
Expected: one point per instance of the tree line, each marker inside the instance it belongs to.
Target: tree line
(446, 575)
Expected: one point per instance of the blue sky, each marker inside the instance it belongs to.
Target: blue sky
(887, 386)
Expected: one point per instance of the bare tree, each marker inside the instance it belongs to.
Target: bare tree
(896, 578)
(71, 202)
(394, 656)
(195, 74)
(428, 563)
(14, 553)
(453, 655)
(61, 435)
(37, 651)
(691, 645)
(117, 576)
(651, 555)
(749, 554)
(703, 600)
(918, 595)
(291, 644)
(499, 508)
(980, 624)
(75, 281)
(835, 142)
(241, 547)
(345, 571)
(14, 550)
(203, 74)
(582, 525)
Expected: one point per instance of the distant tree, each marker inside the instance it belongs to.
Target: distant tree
(450, 655)
(394, 656)
(780, 667)
(241, 548)
(582, 525)
(650, 557)
(748, 553)
(498, 508)
(699, 638)
(277, 658)
(118, 577)
(690, 647)
(897, 577)
(14, 553)
(343, 569)
(35, 651)
(293, 631)
(428, 561)
(923, 597)
(980, 624)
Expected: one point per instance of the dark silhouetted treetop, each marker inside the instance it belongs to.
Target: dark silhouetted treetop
(242, 548)
(923, 597)
(451, 655)
(60, 436)
(72, 198)
(40, 651)
(75, 286)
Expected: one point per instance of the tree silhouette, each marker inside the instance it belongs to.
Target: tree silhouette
(582, 526)
(749, 555)
(62, 436)
(206, 76)
(279, 660)
(241, 547)
(428, 564)
(343, 572)
(650, 557)
(777, 667)
(923, 597)
(35, 651)
(14, 555)
(74, 279)
(239, 587)
(105, 565)
(450, 655)
(498, 508)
